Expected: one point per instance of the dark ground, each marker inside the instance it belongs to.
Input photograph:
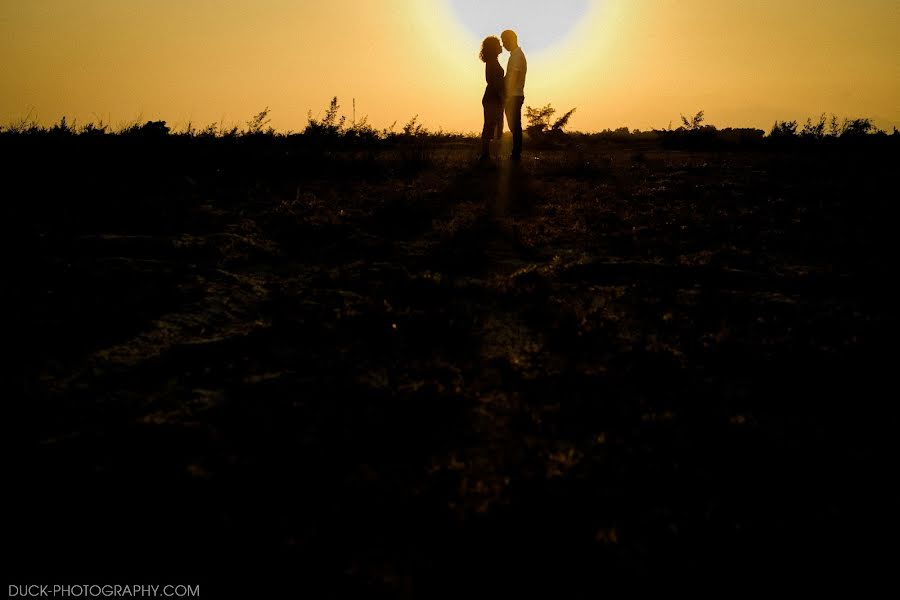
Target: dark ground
(401, 374)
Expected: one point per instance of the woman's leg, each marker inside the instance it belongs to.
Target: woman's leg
(487, 133)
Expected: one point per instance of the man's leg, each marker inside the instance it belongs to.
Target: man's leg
(514, 119)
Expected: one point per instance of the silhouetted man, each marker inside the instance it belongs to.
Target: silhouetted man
(516, 68)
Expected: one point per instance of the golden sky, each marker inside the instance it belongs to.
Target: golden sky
(638, 63)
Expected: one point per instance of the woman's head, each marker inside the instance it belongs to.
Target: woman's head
(490, 48)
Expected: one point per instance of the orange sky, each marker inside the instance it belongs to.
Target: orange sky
(638, 63)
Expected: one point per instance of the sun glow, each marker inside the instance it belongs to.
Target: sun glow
(540, 24)
(568, 44)
(620, 62)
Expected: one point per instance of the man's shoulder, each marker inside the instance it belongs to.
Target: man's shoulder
(520, 55)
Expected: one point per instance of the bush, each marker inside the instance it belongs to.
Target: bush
(695, 123)
(260, 120)
(540, 119)
(814, 131)
(330, 126)
(150, 129)
(62, 128)
(857, 127)
(784, 130)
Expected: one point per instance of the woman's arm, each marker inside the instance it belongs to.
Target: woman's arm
(495, 80)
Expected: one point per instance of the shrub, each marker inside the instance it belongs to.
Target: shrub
(784, 129)
(260, 120)
(361, 131)
(814, 131)
(63, 128)
(695, 123)
(330, 126)
(414, 128)
(150, 129)
(540, 119)
(856, 127)
(415, 145)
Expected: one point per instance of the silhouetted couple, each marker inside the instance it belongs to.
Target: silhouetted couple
(504, 93)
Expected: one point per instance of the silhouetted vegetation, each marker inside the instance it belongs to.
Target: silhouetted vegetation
(541, 120)
(332, 131)
(258, 122)
(542, 130)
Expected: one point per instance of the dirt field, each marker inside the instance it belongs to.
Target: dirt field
(399, 373)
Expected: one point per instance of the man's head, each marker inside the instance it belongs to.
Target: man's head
(510, 40)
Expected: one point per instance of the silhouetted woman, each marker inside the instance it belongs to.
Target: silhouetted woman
(492, 101)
